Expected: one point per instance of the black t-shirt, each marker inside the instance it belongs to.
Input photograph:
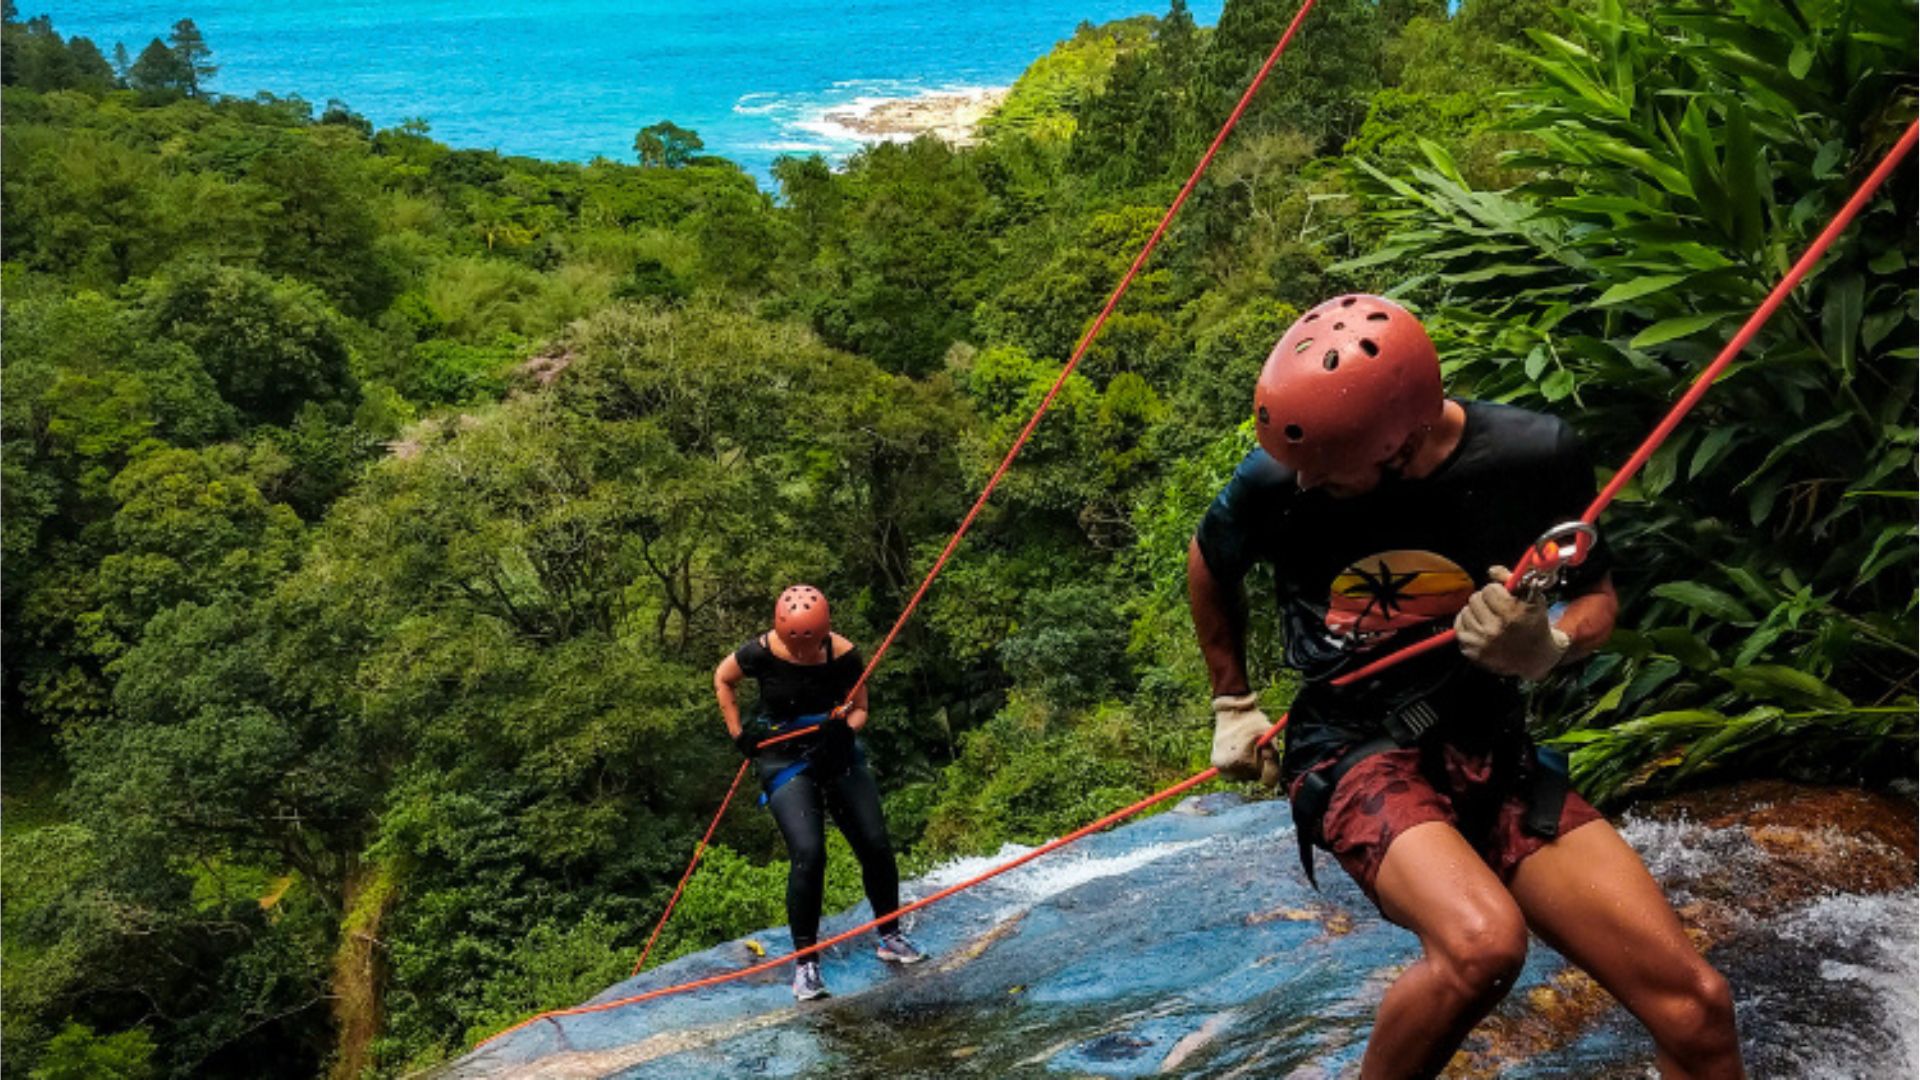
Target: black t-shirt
(1359, 577)
(789, 690)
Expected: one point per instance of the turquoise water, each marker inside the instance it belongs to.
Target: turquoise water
(575, 79)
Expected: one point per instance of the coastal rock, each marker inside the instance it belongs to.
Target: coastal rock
(951, 117)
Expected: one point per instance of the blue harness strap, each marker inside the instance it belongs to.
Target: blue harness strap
(779, 779)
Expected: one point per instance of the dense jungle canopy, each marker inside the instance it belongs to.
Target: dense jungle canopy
(375, 510)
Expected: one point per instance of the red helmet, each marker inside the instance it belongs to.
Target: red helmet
(800, 616)
(1346, 386)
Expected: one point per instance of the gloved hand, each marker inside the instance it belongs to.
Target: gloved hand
(1507, 634)
(747, 742)
(1238, 724)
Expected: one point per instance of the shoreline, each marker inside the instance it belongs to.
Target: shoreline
(952, 116)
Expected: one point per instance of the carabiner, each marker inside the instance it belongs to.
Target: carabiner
(1557, 551)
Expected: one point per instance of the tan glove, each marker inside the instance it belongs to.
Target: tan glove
(1509, 635)
(1238, 724)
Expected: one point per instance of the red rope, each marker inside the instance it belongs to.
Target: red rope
(701, 848)
(698, 850)
(768, 965)
(1086, 340)
(1666, 426)
(1019, 443)
(1704, 381)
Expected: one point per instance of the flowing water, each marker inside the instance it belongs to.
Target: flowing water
(1190, 944)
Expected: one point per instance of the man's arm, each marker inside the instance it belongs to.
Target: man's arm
(1588, 618)
(1220, 622)
(1514, 635)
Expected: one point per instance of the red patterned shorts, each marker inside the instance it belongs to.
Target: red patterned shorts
(1389, 793)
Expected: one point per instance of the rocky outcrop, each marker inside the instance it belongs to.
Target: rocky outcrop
(1188, 944)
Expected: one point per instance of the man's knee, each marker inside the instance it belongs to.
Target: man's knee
(1481, 955)
(1695, 1019)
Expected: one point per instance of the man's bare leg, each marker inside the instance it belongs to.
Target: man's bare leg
(1475, 939)
(1589, 896)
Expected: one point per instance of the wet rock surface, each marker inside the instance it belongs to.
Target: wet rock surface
(1190, 945)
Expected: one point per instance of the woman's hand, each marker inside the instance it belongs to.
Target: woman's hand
(748, 743)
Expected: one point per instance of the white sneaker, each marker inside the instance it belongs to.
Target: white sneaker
(807, 983)
(896, 949)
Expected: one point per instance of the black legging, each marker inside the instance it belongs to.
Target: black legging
(854, 802)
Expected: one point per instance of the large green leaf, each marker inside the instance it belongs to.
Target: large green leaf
(1668, 329)
(1776, 682)
(1639, 287)
(1840, 322)
(1707, 600)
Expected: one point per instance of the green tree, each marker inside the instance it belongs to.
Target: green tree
(190, 49)
(666, 145)
(160, 73)
(271, 346)
(92, 73)
(322, 228)
(79, 1054)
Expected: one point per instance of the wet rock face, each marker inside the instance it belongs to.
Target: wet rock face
(1190, 945)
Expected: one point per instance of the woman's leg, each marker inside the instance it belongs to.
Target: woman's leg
(1589, 896)
(855, 803)
(796, 809)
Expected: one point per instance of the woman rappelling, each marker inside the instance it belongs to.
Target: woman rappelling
(804, 671)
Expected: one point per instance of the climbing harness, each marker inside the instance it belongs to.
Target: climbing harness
(1638, 460)
(1543, 785)
(797, 727)
(802, 764)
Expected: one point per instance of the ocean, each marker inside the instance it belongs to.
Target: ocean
(576, 79)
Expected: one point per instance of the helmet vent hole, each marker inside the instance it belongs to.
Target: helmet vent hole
(1339, 326)
(1294, 434)
(1378, 316)
(1303, 347)
(1312, 315)
(1331, 360)
(1264, 417)
(1349, 301)
(1369, 345)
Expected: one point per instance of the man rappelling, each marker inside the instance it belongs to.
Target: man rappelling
(1386, 510)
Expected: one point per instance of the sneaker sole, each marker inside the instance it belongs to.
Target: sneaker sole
(896, 958)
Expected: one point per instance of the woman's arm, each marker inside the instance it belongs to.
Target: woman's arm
(725, 678)
(857, 708)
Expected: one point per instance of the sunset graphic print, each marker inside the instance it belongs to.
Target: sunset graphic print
(1378, 595)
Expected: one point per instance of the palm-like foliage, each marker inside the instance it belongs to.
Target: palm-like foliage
(1681, 162)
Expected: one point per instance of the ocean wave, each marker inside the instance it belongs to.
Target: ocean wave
(795, 146)
(759, 103)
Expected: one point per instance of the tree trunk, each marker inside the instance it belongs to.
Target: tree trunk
(360, 970)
